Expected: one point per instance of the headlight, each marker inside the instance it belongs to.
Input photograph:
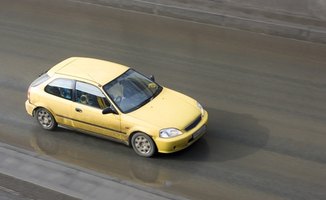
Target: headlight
(169, 132)
(201, 109)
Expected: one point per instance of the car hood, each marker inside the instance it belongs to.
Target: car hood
(170, 109)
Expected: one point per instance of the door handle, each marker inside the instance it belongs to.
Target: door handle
(78, 110)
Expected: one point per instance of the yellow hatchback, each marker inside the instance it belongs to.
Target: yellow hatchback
(114, 101)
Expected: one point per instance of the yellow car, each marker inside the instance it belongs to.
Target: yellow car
(114, 101)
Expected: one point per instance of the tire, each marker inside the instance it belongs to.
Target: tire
(45, 119)
(143, 145)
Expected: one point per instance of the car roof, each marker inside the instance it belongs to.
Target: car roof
(98, 71)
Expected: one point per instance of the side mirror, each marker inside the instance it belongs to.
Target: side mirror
(109, 110)
(152, 77)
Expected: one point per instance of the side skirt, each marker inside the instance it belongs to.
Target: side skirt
(95, 134)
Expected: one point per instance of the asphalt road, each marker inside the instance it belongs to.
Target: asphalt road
(15, 189)
(266, 97)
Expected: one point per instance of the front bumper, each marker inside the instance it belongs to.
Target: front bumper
(170, 145)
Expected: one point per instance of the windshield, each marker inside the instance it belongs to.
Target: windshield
(131, 90)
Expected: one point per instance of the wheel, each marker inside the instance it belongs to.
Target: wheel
(46, 119)
(143, 145)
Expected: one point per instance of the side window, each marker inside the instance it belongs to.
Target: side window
(61, 88)
(90, 95)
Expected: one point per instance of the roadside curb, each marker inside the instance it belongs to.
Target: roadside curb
(277, 28)
(70, 180)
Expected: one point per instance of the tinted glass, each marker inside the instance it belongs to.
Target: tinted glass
(91, 95)
(132, 90)
(61, 88)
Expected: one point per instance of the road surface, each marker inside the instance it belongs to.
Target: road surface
(266, 98)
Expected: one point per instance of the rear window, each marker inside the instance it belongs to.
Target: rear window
(39, 80)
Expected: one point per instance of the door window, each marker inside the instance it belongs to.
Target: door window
(90, 95)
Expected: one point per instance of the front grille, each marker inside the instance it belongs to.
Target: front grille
(193, 124)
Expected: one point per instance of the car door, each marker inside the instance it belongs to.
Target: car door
(59, 100)
(87, 112)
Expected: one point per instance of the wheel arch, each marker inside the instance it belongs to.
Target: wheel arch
(40, 106)
(138, 131)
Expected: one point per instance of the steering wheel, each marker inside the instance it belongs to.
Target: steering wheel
(117, 99)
